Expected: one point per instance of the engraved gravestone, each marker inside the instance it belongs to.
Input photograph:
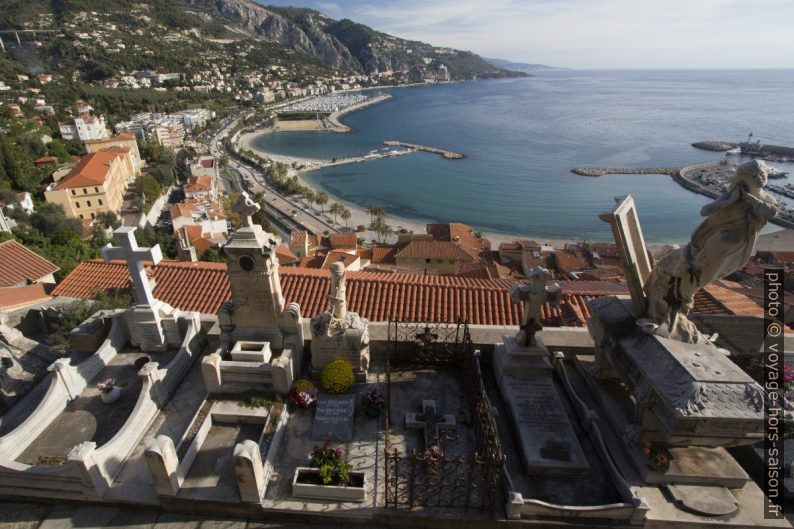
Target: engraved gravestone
(334, 418)
(546, 438)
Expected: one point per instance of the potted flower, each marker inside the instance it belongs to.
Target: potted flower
(329, 476)
(303, 394)
(109, 392)
(658, 458)
(373, 400)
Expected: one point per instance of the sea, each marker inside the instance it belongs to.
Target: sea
(521, 137)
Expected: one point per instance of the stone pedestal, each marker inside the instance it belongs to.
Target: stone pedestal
(251, 352)
(333, 339)
(163, 464)
(685, 394)
(153, 327)
(513, 358)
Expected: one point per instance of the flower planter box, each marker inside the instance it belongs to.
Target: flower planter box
(353, 492)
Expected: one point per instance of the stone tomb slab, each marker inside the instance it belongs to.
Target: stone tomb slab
(546, 438)
(334, 418)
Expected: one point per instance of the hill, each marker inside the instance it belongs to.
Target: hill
(521, 66)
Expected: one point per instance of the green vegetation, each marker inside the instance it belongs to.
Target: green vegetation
(79, 311)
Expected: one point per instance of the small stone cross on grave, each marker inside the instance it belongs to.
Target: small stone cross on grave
(246, 207)
(534, 295)
(135, 257)
(430, 421)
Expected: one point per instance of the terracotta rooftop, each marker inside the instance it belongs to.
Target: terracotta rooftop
(298, 238)
(124, 136)
(448, 251)
(383, 254)
(18, 297)
(335, 256)
(91, 170)
(46, 160)
(460, 233)
(19, 264)
(376, 296)
(182, 209)
(197, 184)
(285, 256)
(343, 240)
(518, 245)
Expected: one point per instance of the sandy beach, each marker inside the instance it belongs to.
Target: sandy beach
(359, 215)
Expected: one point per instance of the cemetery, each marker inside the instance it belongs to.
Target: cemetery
(259, 411)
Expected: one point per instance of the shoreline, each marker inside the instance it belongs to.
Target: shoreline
(359, 216)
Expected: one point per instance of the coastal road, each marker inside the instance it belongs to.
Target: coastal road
(281, 206)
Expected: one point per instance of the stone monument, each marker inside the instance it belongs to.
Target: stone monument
(689, 400)
(523, 370)
(257, 325)
(337, 333)
(151, 323)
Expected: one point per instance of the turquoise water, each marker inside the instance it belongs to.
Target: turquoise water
(521, 137)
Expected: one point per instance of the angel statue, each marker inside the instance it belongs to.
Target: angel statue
(722, 244)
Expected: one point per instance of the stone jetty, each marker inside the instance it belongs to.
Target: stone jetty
(601, 171)
(450, 155)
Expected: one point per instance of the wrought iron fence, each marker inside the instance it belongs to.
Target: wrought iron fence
(430, 479)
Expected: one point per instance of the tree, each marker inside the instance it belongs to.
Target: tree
(345, 214)
(108, 219)
(148, 187)
(322, 200)
(371, 212)
(335, 209)
(212, 255)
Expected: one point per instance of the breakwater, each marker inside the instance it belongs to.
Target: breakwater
(449, 155)
(601, 171)
(715, 145)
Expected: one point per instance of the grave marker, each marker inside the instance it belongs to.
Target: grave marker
(334, 418)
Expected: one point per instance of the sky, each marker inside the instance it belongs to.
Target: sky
(599, 34)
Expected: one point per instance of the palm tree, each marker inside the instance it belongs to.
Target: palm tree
(345, 214)
(322, 199)
(335, 209)
(371, 212)
(309, 195)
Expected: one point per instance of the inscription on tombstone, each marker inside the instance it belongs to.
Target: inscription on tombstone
(546, 438)
(334, 418)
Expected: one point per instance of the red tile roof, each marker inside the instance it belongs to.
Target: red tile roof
(18, 265)
(448, 251)
(285, 256)
(17, 297)
(344, 240)
(44, 160)
(199, 183)
(460, 233)
(335, 256)
(298, 238)
(377, 296)
(90, 171)
(383, 254)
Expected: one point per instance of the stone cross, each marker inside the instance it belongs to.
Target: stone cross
(631, 246)
(430, 422)
(246, 207)
(135, 257)
(534, 295)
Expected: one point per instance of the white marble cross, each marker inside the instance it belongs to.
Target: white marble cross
(128, 250)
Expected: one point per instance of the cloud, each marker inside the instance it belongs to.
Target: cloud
(329, 8)
(599, 33)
